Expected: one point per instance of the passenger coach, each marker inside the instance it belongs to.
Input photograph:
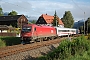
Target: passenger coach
(65, 31)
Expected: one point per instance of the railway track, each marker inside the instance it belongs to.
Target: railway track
(11, 50)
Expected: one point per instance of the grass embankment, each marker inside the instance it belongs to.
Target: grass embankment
(9, 41)
(76, 49)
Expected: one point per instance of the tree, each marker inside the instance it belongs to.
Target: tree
(13, 13)
(68, 19)
(81, 29)
(34, 21)
(29, 22)
(87, 24)
(55, 21)
(1, 12)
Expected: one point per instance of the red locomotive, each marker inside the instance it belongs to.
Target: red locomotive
(32, 32)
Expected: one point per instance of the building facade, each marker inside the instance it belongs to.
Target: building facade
(15, 21)
(45, 19)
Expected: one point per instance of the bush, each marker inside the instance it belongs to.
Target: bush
(9, 41)
(2, 43)
(88, 36)
(71, 49)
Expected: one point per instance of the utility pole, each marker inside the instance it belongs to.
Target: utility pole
(87, 27)
(56, 22)
(84, 23)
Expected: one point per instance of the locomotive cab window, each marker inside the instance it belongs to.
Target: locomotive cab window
(26, 28)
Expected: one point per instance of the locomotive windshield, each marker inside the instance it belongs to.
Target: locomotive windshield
(26, 29)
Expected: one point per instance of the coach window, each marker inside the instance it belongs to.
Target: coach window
(64, 30)
(73, 30)
(68, 31)
(35, 29)
(59, 31)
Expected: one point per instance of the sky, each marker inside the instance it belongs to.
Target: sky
(35, 8)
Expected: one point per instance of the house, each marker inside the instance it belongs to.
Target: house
(15, 21)
(48, 20)
(5, 28)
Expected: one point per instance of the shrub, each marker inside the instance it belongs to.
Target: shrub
(9, 41)
(2, 43)
(76, 48)
(88, 36)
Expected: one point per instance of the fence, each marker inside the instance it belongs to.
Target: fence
(8, 34)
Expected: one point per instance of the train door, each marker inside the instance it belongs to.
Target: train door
(35, 33)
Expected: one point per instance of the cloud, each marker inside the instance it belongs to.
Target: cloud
(78, 11)
(38, 7)
(20, 7)
(49, 7)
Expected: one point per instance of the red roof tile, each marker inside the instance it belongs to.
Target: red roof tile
(49, 19)
(60, 22)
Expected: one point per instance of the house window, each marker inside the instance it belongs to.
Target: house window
(39, 21)
(23, 19)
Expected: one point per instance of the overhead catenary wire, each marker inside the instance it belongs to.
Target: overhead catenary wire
(78, 6)
(25, 9)
(82, 11)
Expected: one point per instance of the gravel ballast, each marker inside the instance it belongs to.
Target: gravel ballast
(31, 54)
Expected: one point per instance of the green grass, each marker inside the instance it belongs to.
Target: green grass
(9, 41)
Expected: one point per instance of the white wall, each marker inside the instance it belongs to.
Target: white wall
(3, 31)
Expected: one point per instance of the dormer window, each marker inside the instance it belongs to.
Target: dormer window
(39, 21)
